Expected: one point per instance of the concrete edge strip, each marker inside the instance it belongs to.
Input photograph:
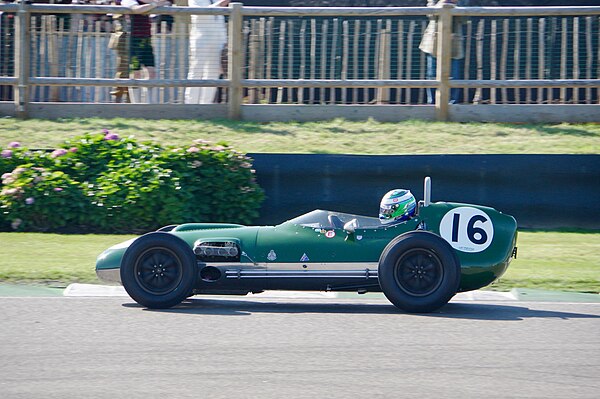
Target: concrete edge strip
(93, 290)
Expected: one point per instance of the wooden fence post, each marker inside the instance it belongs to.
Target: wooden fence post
(444, 60)
(235, 63)
(22, 65)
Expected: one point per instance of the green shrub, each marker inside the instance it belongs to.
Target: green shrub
(87, 157)
(104, 183)
(220, 181)
(15, 155)
(37, 199)
(144, 197)
(11, 157)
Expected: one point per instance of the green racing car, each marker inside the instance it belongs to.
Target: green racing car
(418, 254)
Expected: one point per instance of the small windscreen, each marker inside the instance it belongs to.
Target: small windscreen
(319, 219)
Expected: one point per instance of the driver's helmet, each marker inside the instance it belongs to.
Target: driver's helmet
(397, 205)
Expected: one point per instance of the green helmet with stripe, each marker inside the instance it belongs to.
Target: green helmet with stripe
(397, 205)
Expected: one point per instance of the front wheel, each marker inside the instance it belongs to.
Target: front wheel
(419, 272)
(158, 270)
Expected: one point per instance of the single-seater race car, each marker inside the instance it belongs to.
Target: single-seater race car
(419, 260)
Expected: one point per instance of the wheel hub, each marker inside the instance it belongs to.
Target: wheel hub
(419, 272)
(158, 271)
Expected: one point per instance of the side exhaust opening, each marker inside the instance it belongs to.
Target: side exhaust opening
(210, 274)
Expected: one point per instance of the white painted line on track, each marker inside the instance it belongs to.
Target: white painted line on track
(484, 296)
(93, 290)
(83, 290)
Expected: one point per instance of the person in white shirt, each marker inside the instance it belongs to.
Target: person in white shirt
(208, 36)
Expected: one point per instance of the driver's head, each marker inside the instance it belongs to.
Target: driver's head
(397, 205)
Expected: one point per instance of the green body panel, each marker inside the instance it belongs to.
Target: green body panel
(291, 242)
(481, 268)
(295, 245)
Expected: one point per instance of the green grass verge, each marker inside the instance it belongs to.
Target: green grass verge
(52, 259)
(336, 136)
(567, 261)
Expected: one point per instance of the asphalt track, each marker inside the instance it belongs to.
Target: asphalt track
(260, 347)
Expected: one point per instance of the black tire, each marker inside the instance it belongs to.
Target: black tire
(419, 272)
(159, 270)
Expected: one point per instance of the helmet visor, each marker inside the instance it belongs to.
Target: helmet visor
(388, 210)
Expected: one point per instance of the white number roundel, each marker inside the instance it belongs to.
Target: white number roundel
(467, 229)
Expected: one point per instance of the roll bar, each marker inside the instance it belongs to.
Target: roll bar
(427, 191)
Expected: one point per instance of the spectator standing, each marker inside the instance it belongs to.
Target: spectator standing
(141, 54)
(429, 46)
(119, 41)
(208, 36)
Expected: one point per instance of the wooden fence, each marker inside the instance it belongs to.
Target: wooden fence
(304, 56)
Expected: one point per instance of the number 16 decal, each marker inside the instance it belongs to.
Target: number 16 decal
(467, 229)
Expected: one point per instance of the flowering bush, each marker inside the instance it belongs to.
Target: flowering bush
(145, 196)
(37, 199)
(220, 181)
(10, 158)
(15, 155)
(105, 183)
(88, 156)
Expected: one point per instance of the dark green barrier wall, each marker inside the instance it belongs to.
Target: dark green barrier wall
(541, 191)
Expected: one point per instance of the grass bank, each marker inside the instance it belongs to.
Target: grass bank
(52, 259)
(555, 261)
(336, 136)
(546, 260)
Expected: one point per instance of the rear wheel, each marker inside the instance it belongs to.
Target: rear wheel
(419, 272)
(159, 270)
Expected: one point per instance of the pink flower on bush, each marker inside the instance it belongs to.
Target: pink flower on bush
(193, 149)
(58, 153)
(73, 149)
(6, 154)
(8, 178)
(246, 165)
(57, 189)
(11, 191)
(16, 223)
(29, 200)
(14, 144)
(18, 171)
(111, 136)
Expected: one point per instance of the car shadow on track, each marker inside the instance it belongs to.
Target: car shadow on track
(471, 311)
(493, 311)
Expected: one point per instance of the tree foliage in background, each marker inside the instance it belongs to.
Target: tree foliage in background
(104, 183)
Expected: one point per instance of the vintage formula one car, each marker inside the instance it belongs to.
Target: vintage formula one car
(419, 263)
